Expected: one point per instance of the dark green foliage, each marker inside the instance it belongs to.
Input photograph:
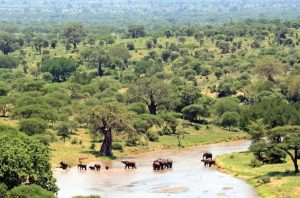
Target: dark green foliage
(33, 126)
(64, 131)
(136, 31)
(229, 119)
(8, 62)
(74, 34)
(193, 112)
(30, 191)
(28, 161)
(117, 146)
(60, 68)
(4, 88)
(267, 153)
(255, 163)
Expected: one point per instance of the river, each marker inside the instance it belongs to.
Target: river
(187, 179)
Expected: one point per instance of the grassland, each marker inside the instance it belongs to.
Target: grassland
(283, 182)
(66, 151)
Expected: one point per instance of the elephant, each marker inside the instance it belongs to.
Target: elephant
(97, 167)
(64, 165)
(207, 156)
(156, 165)
(129, 164)
(208, 162)
(92, 167)
(161, 164)
(82, 166)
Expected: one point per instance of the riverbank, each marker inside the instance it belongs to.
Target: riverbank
(70, 152)
(270, 180)
(187, 178)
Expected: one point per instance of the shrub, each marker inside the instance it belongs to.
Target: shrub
(265, 179)
(255, 163)
(46, 52)
(117, 146)
(93, 146)
(152, 137)
(30, 191)
(33, 126)
(3, 190)
(74, 141)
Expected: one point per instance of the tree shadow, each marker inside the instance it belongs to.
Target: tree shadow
(97, 154)
(281, 174)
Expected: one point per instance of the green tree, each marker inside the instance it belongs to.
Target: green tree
(64, 131)
(136, 31)
(6, 105)
(286, 138)
(30, 191)
(293, 89)
(60, 68)
(33, 126)
(193, 112)
(8, 62)
(39, 43)
(187, 95)
(74, 34)
(8, 43)
(269, 67)
(28, 161)
(225, 104)
(230, 119)
(153, 92)
(4, 88)
(107, 118)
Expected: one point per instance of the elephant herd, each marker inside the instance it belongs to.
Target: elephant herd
(159, 164)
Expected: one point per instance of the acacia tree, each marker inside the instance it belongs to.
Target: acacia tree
(153, 92)
(269, 67)
(24, 160)
(74, 34)
(8, 43)
(106, 118)
(286, 138)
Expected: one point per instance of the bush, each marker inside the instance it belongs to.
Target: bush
(74, 141)
(33, 126)
(117, 146)
(8, 62)
(152, 137)
(255, 163)
(46, 52)
(3, 191)
(93, 146)
(265, 179)
(30, 191)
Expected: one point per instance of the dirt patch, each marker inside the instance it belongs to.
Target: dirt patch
(174, 190)
(277, 182)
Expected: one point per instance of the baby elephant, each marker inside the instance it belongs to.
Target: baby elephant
(207, 156)
(82, 166)
(208, 162)
(129, 164)
(92, 167)
(64, 165)
(97, 167)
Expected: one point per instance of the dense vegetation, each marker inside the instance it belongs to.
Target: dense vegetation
(118, 14)
(137, 88)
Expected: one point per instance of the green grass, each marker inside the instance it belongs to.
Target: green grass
(283, 182)
(70, 153)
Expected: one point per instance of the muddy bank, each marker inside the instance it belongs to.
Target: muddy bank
(188, 178)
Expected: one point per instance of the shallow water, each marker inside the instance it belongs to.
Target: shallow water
(187, 179)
